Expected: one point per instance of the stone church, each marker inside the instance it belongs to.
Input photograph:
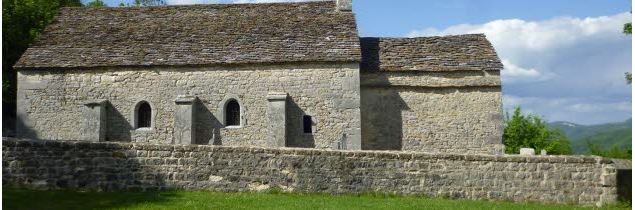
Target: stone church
(263, 75)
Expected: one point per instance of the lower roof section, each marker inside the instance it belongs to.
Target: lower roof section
(437, 53)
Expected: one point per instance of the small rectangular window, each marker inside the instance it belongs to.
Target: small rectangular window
(307, 124)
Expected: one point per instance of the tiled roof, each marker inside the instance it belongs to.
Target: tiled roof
(439, 53)
(196, 35)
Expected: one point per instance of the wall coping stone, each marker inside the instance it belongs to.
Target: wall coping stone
(95, 102)
(277, 96)
(185, 99)
(371, 154)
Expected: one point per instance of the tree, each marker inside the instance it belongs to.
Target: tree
(530, 131)
(613, 152)
(96, 3)
(628, 30)
(22, 23)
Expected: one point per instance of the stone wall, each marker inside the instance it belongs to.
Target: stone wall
(50, 103)
(127, 166)
(452, 111)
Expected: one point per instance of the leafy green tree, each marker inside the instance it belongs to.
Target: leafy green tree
(22, 23)
(96, 3)
(530, 131)
(613, 152)
(628, 29)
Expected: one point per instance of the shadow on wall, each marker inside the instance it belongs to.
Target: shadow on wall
(9, 118)
(118, 126)
(22, 130)
(381, 107)
(382, 123)
(207, 125)
(295, 132)
(113, 168)
(625, 185)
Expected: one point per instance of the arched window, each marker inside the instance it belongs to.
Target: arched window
(232, 113)
(144, 115)
(307, 124)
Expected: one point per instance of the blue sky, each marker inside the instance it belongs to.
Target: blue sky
(564, 59)
(398, 17)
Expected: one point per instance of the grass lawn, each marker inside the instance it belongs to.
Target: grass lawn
(29, 199)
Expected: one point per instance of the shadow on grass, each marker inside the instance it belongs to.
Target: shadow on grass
(274, 199)
(13, 198)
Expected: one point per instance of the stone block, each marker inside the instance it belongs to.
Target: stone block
(184, 120)
(277, 118)
(344, 5)
(527, 151)
(95, 120)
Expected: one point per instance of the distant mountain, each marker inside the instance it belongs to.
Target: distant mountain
(605, 135)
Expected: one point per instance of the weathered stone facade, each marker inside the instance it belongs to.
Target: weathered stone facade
(440, 120)
(117, 166)
(288, 75)
(53, 101)
(432, 94)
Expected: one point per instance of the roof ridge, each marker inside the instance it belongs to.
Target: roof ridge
(202, 5)
(435, 36)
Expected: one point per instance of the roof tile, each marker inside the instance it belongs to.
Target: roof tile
(196, 35)
(437, 53)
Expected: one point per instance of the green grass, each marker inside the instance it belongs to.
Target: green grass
(29, 199)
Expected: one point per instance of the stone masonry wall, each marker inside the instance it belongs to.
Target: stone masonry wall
(50, 102)
(139, 166)
(440, 112)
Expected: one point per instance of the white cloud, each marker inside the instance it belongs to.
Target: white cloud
(574, 109)
(538, 35)
(513, 73)
(514, 70)
(564, 68)
(596, 107)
